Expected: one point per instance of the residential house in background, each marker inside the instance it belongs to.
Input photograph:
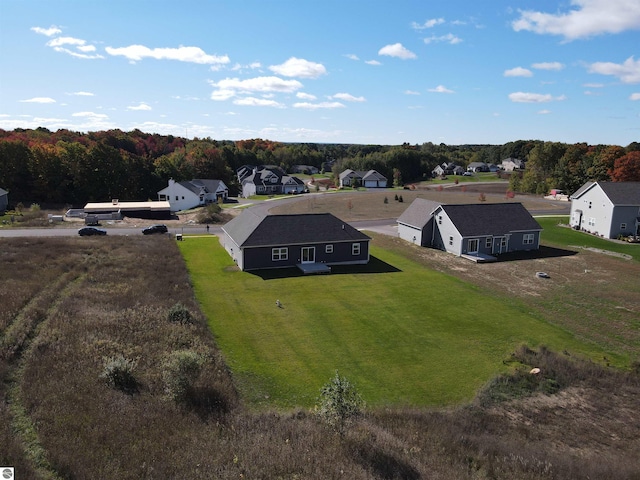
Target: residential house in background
(305, 169)
(607, 209)
(368, 179)
(477, 167)
(472, 230)
(447, 168)
(4, 200)
(193, 193)
(511, 164)
(268, 181)
(311, 242)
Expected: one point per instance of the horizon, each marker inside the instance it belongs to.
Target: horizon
(354, 72)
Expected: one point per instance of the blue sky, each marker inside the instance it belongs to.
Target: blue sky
(326, 71)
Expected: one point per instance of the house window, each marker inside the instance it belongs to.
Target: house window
(450, 240)
(355, 249)
(528, 238)
(592, 221)
(623, 226)
(281, 253)
(472, 245)
(261, 188)
(488, 242)
(589, 204)
(503, 242)
(176, 198)
(328, 249)
(439, 219)
(273, 179)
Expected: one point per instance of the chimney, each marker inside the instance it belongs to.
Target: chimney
(114, 201)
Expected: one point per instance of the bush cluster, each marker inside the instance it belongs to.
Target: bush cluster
(180, 371)
(118, 373)
(178, 313)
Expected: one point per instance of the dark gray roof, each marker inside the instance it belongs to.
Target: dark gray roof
(418, 213)
(254, 230)
(3, 192)
(490, 218)
(210, 186)
(622, 193)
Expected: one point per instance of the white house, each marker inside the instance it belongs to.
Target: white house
(607, 209)
(368, 179)
(193, 193)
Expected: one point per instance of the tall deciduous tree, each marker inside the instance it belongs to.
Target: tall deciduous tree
(627, 168)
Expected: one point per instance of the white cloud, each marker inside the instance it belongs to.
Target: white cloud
(411, 92)
(49, 32)
(39, 100)
(523, 97)
(441, 89)
(634, 96)
(627, 72)
(518, 72)
(230, 87)
(60, 41)
(544, 112)
(257, 102)
(305, 96)
(375, 63)
(141, 107)
(299, 67)
(587, 18)
(89, 115)
(347, 97)
(87, 48)
(136, 53)
(593, 85)
(548, 66)
(428, 24)
(449, 38)
(352, 56)
(397, 50)
(82, 94)
(316, 106)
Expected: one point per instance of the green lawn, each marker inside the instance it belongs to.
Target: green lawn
(405, 335)
(555, 234)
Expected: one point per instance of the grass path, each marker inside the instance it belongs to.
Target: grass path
(404, 334)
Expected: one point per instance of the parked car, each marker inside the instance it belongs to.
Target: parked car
(155, 229)
(88, 231)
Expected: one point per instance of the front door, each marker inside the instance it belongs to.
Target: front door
(308, 254)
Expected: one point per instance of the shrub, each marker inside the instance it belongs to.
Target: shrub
(180, 314)
(339, 403)
(386, 200)
(180, 371)
(118, 373)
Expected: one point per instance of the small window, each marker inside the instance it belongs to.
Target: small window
(488, 243)
(278, 254)
(328, 249)
(592, 221)
(589, 204)
(623, 226)
(355, 249)
(450, 240)
(439, 219)
(503, 242)
(176, 198)
(527, 239)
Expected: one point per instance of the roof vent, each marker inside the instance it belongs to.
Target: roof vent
(114, 201)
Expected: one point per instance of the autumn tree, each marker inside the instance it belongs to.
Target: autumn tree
(626, 168)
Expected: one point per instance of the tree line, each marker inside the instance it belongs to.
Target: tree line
(72, 168)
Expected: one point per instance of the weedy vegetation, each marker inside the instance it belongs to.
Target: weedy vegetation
(100, 380)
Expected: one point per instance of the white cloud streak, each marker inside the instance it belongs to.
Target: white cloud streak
(347, 97)
(49, 32)
(428, 24)
(441, 89)
(230, 87)
(557, 66)
(449, 38)
(316, 106)
(300, 68)
(39, 100)
(518, 72)
(587, 18)
(627, 72)
(257, 102)
(525, 97)
(397, 50)
(135, 53)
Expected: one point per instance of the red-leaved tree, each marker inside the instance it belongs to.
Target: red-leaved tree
(626, 168)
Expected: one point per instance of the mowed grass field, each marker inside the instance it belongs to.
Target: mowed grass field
(402, 333)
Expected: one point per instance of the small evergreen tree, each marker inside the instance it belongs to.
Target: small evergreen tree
(339, 403)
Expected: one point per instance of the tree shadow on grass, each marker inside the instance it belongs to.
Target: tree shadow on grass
(385, 465)
(207, 403)
(375, 265)
(541, 253)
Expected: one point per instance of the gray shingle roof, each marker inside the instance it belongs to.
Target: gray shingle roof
(490, 218)
(622, 193)
(418, 213)
(3, 192)
(253, 230)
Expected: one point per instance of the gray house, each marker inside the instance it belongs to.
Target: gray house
(607, 209)
(4, 200)
(268, 181)
(368, 179)
(476, 230)
(311, 242)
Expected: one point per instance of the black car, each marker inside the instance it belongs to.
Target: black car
(88, 231)
(155, 229)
